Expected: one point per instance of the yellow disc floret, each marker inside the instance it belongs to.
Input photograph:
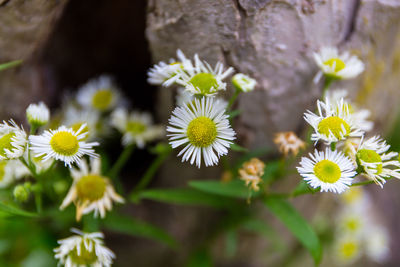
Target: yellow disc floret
(327, 171)
(335, 125)
(370, 156)
(337, 63)
(91, 187)
(135, 127)
(85, 257)
(102, 99)
(202, 132)
(348, 250)
(204, 82)
(64, 143)
(5, 143)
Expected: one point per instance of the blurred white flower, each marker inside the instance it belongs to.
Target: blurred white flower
(38, 114)
(244, 82)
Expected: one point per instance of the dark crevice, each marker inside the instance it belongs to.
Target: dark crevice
(352, 26)
(242, 25)
(4, 2)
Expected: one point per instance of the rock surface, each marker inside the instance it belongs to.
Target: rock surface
(273, 41)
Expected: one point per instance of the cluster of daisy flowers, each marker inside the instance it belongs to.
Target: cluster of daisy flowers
(70, 137)
(342, 127)
(200, 122)
(358, 231)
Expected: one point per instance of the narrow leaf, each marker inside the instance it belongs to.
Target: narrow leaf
(184, 196)
(299, 227)
(131, 226)
(236, 147)
(8, 209)
(235, 188)
(10, 64)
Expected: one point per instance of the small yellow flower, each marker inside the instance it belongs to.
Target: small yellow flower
(251, 173)
(288, 142)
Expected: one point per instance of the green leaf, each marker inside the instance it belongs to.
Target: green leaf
(236, 147)
(303, 188)
(11, 210)
(130, 226)
(299, 227)
(234, 113)
(185, 196)
(10, 64)
(200, 258)
(235, 188)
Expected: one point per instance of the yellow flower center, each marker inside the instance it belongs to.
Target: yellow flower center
(77, 125)
(348, 249)
(136, 127)
(202, 132)
(64, 143)
(352, 195)
(3, 165)
(370, 156)
(91, 187)
(204, 82)
(327, 171)
(337, 63)
(102, 99)
(335, 125)
(5, 143)
(352, 224)
(86, 257)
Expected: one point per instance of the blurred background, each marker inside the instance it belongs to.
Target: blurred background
(64, 43)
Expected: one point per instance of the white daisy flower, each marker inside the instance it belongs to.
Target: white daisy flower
(136, 127)
(374, 162)
(203, 128)
(75, 118)
(347, 249)
(63, 144)
(38, 114)
(337, 66)
(90, 190)
(12, 140)
(100, 94)
(359, 116)
(10, 171)
(201, 78)
(331, 171)
(244, 82)
(84, 249)
(378, 244)
(166, 74)
(333, 122)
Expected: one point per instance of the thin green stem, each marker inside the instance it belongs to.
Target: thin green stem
(150, 172)
(327, 84)
(233, 98)
(333, 146)
(122, 159)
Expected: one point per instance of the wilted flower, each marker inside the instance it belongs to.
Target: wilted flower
(288, 142)
(251, 173)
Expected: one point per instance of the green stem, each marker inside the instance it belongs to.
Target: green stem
(10, 64)
(122, 159)
(327, 84)
(233, 98)
(333, 146)
(149, 174)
